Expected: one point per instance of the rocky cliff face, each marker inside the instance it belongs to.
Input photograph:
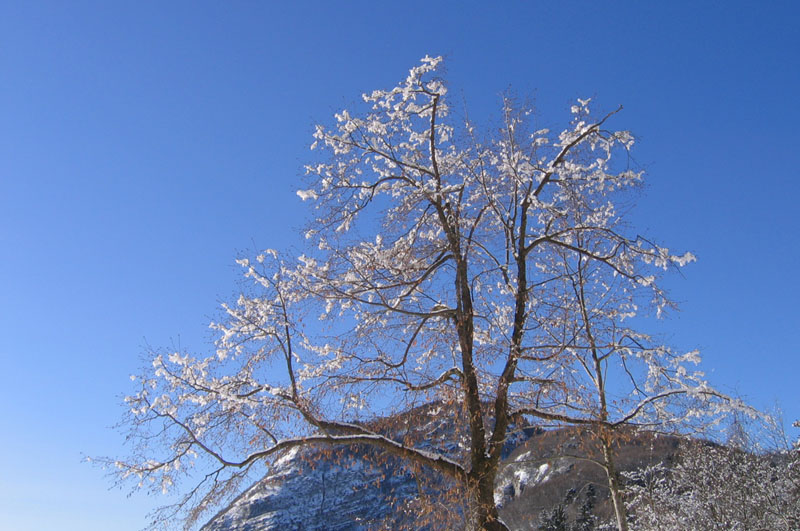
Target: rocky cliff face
(359, 489)
(317, 490)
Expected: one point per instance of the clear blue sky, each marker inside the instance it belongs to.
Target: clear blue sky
(145, 145)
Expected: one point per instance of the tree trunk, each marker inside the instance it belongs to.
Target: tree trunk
(614, 485)
(483, 511)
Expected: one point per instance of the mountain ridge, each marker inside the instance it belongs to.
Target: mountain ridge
(359, 488)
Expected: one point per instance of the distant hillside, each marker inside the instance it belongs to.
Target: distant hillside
(555, 467)
(548, 481)
(359, 489)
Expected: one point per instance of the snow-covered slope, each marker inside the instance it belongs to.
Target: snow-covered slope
(359, 489)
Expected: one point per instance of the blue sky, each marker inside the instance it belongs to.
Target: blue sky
(145, 145)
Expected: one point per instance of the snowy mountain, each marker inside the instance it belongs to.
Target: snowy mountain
(359, 489)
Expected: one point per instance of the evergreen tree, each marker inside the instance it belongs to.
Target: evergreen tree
(556, 520)
(586, 519)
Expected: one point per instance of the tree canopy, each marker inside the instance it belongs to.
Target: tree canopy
(493, 272)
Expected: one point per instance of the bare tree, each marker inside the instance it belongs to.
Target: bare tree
(493, 275)
(715, 488)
